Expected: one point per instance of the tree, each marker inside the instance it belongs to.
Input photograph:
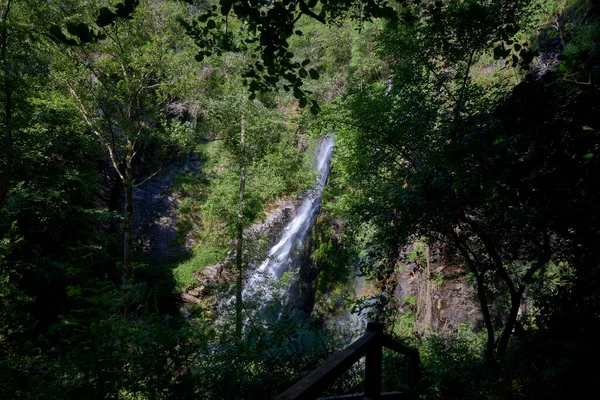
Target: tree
(420, 156)
(19, 60)
(123, 76)
(8, 120)
(240, 235)
(267, 27)
(263, 164)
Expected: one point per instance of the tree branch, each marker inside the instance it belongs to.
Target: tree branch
(102, 140)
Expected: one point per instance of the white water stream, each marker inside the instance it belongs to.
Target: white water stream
(282, 255)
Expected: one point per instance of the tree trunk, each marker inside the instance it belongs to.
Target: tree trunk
(517, 294)
(483, 303)
(240, 238)
(424, 298)
(128, 227)
(515, 304)
(489, 350)
(8, 122)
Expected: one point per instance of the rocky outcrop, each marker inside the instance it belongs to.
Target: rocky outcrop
(264, 234)
(155, 215)
(277, 216)
(436, 291)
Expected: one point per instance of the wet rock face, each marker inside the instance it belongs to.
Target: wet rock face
(276, 218)
(155, 216)
(437, 292)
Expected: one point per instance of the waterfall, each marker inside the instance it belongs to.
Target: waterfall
(281, 255)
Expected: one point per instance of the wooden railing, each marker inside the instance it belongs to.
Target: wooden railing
(370, 345)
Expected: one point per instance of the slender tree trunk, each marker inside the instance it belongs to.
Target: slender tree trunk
(489, 350)
(483, 303)
(240, 238)
(128, 228)
(515, 304)
(460, 101)
(424, 299)
(8, 122)
(517, 294)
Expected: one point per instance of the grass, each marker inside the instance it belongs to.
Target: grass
(204, 255)
(193, 190)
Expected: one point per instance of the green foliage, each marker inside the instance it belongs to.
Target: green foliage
(428, 154)
(404, 323)
(417, 254)
(202, 256)
(333, 263)
(436, 139)
(452, 367)
(277, 349)
(274, 165)
(267, 33)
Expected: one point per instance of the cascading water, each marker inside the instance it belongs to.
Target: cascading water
(281, 256)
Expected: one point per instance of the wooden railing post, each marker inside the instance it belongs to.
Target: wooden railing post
(370, 346)
(374, 358)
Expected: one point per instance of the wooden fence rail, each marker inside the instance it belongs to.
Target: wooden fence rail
(370, 345)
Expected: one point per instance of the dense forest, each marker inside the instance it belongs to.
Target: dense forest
(208, 199)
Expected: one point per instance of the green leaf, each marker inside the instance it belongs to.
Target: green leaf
(302, 72)
(57, 33)
(498, 52)
(305, 62)
(73, 291)
(299, 33)
(457, 184)
(72, 28)
(313, 73)
(588, 156)
(239, 10)
(211, 24)
(588, 128)
(84, 33)
(126, 9)
(314, 108)
(298, 94)
(225, 7)
(106, 17)
(303, 102)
